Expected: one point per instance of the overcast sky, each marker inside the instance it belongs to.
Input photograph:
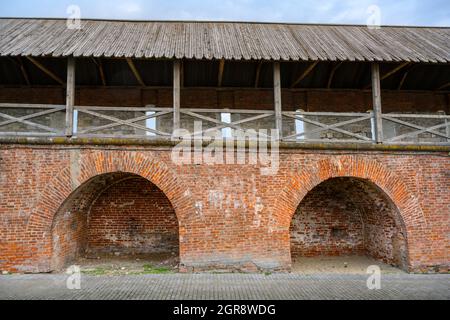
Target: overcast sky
(400, 12)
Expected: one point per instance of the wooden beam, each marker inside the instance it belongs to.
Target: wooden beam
(221, 69)
(70, 95)
(258, 73)
(18, 61)
(376, 95)
(176, 94)
(390, 73)
(46, 71)
(402, 82)
(333, 71)
(443, 86)
(277, 98)
(395, 70)
(305, 74)
(24, 71)
(99, 64)
(135, 72)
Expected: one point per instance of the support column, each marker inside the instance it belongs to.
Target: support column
(70, 95)
(376, 95)
(277, 98)
(176, 94)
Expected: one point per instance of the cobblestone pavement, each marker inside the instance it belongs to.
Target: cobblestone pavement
(224, 287)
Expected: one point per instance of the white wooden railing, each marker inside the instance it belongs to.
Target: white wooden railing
(150, 122)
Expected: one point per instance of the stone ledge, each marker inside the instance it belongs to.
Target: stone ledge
(172, 143)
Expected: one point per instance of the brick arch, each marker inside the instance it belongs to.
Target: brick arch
(92, 165)
(393, 186)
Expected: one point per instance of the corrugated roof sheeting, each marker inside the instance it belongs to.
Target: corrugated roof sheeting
(223, 40)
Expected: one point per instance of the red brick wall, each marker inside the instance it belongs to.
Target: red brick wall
(313, 100)
(113, 213)
(347, 216)
(229, 215)
(327, 223)
(133, 217)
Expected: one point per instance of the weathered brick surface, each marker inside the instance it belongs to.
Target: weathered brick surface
(348, 216)
(133, 217)
(228, 215)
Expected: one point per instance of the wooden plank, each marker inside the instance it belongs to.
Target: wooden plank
(277, 97)
(206, 110)
(30, 106)
(135, 71)
(395, 70)
(29, 123)
(99, 64)
(390, 73)
(402, 82)
(123, 109)
(176, 94)
(416, 133)
(376, 96)
(305, 74)
(134, 120)
(70, 95)
(122, 122)
(46, 70)
(333, 71)
(445, 86)
(18, 61)
(24, 71)
(221, 69)
(415, 126)
(119, 122)
(258, 74)
(333, 127)
(327, 114)
(31, 116)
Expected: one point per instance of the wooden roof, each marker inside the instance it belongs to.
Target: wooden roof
(223, 40)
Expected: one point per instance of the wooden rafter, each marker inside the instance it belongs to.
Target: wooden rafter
(46, 71)
(445, 86)
(135, 72)
(333, 72)
(400, 85)
(305, 74)
(18, 61)
(390, 73)
(258, 73)
(221, 69)
(99, 65)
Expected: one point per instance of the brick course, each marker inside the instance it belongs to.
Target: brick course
(229, 215)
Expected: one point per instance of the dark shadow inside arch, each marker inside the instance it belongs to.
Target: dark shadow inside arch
(116, 217)
(350, 218)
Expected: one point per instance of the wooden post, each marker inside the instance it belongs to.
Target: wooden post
(277, 98)
(70, 95)
(176, 94)
(376, 95)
